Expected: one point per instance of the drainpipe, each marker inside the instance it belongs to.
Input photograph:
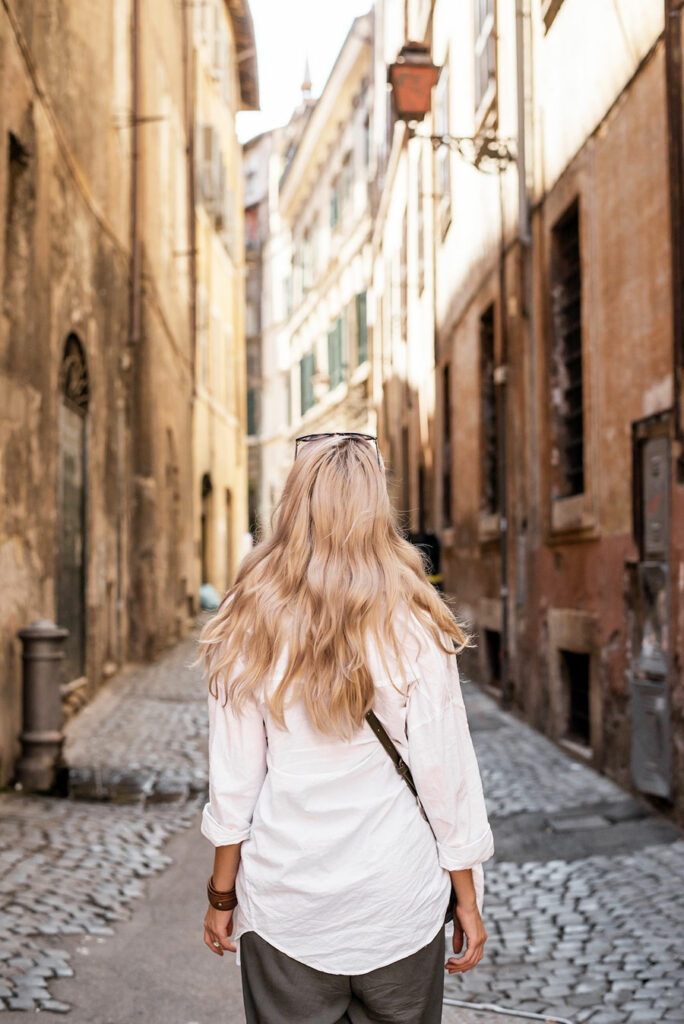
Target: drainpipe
(673, 81)
(189, 90)
(133, 338)
(501, 376)
(135, 291)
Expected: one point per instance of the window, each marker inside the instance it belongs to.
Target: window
(336, 365)
(335, 204)
(567, 413)
(485, 54)
(347, 185)
(288, 398)
(361, 329)
(420, 227)
(575, 669)
(403, 278)
(287, 295)
(251, 411)
(550, 9)
(443, 153)
(492, 654)
(306, 370)
(446, 448)
(306, 259)
(202, 315)
(406, 477)
(366, 142)
(488, 416)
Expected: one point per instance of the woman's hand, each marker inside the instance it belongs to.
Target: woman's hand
(467, 921)
(218, 926)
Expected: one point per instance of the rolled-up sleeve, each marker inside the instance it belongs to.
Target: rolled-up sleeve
(237, 769)
(444, 764)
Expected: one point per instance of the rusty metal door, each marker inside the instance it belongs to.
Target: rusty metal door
(71, 471)
(649, 615)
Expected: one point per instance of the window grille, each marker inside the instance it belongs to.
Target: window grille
(446, 445)
(489, 416)
(567, 413)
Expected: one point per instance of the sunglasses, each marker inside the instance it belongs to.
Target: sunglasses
(337, 433)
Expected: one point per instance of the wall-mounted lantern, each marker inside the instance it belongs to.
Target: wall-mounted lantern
(413, 77)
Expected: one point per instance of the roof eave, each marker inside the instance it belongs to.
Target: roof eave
(245, 45)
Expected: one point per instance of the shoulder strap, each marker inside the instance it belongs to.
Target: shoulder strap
(398, 761)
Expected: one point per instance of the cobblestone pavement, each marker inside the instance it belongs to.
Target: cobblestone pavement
(584, 898)
(74, 866)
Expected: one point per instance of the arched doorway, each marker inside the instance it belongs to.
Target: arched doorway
(71, 504)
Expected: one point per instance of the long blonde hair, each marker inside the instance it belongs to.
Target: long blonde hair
(334, 568)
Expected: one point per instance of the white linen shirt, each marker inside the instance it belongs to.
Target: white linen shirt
(338, 867)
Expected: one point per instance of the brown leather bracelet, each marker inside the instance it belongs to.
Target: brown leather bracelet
(226, 900)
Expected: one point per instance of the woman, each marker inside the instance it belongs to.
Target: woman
(328, 880)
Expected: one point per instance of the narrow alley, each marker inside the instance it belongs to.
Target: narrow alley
(584, 903)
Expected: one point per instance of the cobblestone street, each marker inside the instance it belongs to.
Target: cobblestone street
(584, 903)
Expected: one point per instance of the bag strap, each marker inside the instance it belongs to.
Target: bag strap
(396, 758)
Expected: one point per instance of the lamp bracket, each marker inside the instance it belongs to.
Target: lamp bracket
(486, 151)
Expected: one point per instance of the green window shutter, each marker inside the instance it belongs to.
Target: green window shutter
(334, 208)
(361, 329)
(335, 366)
(341, 361)
(306, 370)
(332, 357)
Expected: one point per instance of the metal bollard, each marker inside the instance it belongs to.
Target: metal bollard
(42, 738)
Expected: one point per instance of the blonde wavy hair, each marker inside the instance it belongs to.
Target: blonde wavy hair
(334, 569)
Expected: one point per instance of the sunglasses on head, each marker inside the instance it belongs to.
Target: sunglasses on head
(337, 433)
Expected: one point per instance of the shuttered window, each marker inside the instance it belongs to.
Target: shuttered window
(566, 398)
(251, 411)
(485, 52)
(336, 364)
(446, 448)
(306, 370)
(361, 329)
(489, 417)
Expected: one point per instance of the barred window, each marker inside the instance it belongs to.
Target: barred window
(567, 412)
(489, 416)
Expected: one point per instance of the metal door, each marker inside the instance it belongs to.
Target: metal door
(649, 614)
(71, 536)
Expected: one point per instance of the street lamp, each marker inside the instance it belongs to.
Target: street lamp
(412, 78)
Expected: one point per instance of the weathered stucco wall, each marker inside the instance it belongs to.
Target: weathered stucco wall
(65, 182)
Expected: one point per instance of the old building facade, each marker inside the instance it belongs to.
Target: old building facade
(97, 339)
(223, 43)
(315, 267)
(532, 400)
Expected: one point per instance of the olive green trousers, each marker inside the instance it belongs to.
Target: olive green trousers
(279, 990)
